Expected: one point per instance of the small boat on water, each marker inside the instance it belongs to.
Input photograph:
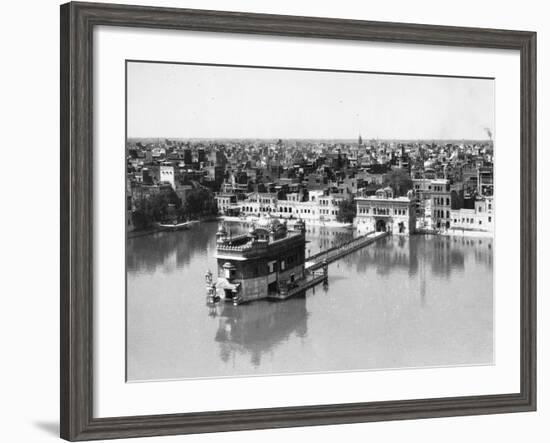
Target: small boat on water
(175, 226)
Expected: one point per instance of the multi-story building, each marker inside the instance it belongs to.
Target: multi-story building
(384, 212)
(485, 180)
(260, 264)
(441, 204)
(166, 174)
(233, 187)
(305, 210)
(423, 190)
(227, 204)
(259, 203)
(320, 208)
(422, 187)
(481, 218)
(328, 208)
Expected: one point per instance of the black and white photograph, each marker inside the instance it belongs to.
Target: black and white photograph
(235, 221)
(297, 221)
(239, 222)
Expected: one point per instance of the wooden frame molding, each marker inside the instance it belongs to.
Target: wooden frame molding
(77, 23)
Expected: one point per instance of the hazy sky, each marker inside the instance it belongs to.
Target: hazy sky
(171, 100)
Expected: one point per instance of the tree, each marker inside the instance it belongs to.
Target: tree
(399, 180)
(198, 202)
(149, 210)
(347, 210)
(154, 208)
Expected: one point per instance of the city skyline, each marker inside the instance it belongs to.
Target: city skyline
(246, 256)
(220, 102)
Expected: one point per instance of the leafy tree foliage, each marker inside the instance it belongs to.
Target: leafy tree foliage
(157, 208)
(347, 210)
(154, 208)
(399, 180)
(198, 202)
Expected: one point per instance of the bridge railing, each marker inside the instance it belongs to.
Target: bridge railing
(341, 247)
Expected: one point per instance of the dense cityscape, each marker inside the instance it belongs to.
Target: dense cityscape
(401, 187)
(308, 221)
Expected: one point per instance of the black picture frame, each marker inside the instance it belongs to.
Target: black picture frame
(77, 23)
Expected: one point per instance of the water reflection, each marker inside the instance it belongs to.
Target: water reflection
(257, 328)
(442, 256)
(401, 302)
(321, 238)
(171, 250)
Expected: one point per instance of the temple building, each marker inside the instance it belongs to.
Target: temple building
(265, 262)
(384, 212)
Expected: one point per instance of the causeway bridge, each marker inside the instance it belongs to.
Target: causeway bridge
(317, 265)
(328, 256)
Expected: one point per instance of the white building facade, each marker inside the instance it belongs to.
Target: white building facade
(481, 218)
(384, 212)
(259, 203)
(227, 204)
(167, 175)
(318, 209)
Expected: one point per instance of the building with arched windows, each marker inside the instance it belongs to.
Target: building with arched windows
(384, 212)
(262, 263)
(166, 174)
(320, 208)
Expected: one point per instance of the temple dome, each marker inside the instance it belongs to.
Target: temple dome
(268, 223)
(221, 229)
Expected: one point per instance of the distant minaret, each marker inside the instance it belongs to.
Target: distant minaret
(360, 140)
